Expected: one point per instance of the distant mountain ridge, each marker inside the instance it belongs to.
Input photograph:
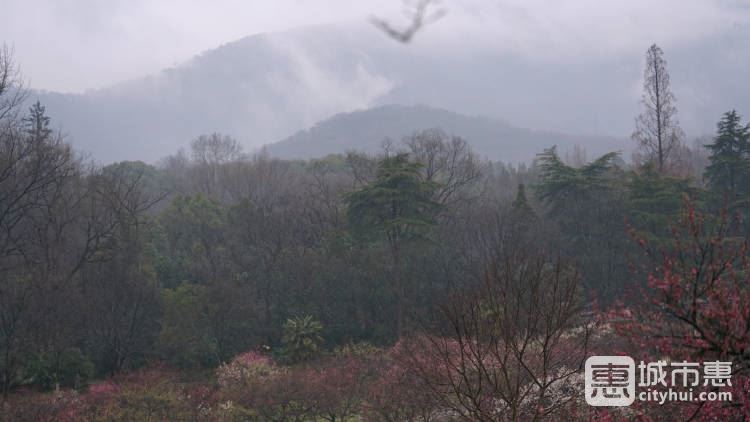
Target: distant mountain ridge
(262, 88)
(257, 89)
(365, 130)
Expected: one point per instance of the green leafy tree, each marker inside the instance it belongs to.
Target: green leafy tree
(586, 203)
(195, 229)
(186, 339)
(562, 186)
(210, 308)
(655, 202)
(397, 206)
(729, 170)
(205, 325)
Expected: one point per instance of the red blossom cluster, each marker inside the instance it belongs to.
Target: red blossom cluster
(695, 306)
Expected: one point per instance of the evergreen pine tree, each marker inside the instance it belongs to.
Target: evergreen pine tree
(37, 123)
(521, 209)
(729, 171)
(397, 206)
(655, 202)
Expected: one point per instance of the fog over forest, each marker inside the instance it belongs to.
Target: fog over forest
(562, 70)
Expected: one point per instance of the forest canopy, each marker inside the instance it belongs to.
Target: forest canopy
(419, 281)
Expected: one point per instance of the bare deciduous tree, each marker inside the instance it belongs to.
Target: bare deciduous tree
(45, 238)
(211, 153)
(511, 348)
(12, 92)
(447, 161)
(657, 130)
(119, 289)
(362, 168)
(215, 149)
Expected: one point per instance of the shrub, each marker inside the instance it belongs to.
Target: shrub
(36, 407)
(245, 369)
(153, 394)
(70, 368)
(362, 349)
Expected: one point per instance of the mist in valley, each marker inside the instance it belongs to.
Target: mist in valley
(418, 210)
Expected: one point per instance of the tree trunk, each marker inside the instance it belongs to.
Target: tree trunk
(398, 284)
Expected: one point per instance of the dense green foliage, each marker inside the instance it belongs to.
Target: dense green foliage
(302, 340)
(729, 170)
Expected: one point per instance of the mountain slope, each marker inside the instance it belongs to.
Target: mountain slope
(365, 130)
(262, 88)
(258, 89)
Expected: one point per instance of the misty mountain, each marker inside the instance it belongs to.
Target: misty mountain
(365, 130)
(262, 88)
(258, 90)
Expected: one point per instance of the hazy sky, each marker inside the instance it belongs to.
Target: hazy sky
(74, 45)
